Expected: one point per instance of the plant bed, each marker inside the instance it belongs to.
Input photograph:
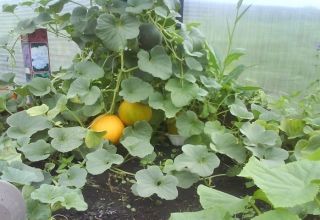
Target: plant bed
(110, 197)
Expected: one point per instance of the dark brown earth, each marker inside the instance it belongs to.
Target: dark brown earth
(110, 198)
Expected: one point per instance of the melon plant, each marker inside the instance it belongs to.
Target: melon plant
(138, 52)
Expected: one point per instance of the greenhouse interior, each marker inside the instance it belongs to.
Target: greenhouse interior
(160, 110)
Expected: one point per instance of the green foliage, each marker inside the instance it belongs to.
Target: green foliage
(197, 159)
(276, 182)
(136, 139)
(20, 173)
(157, 63)
(37, 151)
(152, 180)
(139, 52)
(66, 139)
(102, 159)
(22, 125)
(135, 89)
(54, 195)
(114, 32)
(211, 198)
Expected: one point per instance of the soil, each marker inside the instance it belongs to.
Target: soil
(110, 198)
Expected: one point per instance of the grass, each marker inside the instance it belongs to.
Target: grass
(280, 42)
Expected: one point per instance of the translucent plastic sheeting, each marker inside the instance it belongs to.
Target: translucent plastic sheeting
(281, 39)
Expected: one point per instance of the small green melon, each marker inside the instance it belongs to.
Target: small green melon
(149, 36)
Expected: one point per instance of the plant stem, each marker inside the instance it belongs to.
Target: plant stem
(256, 209)
(78, 3)
(213, 176)
(230, 39)
(121, 172)
(181, 73)
(118, 83)
(105, 61)
(317, 201)
(164, 33)
(76, 118)
(131, 69)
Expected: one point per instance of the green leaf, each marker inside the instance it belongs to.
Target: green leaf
(134, 89)
(102, 160)
(78, 18)
(257, 135)
(194, 42)
(188, 124)
(239, 110)
(88, 70)
(313, 121)
(39, 150)
(229, 145)
(309, 208)
(81, 88)
(138, 6)
(308, 149)
(292, 127)
(66, 197)
(161, 11)
(232, 57)
(265, 114)
(234, 74)
(39, 86)
(67, 139)
(8, 152)
(93, 139)
(213, 127)
(173, 5)
(193, 64)
(275, 155)
(151, 181)
(74, 176)
(164, 103)
(114, 32)
(26, 26)
(92, 96)
(92, 110)
(6, 78)
(61, 106)
(210, 82)
(37, 210)
(182, 92)
(277, 214)
(295, 177)
(38, 110)
(9, 8)
(260, 195)
(57, 6)
(42, 18)
(211, 198)
(157, 63)
(208, 214)
(197, 159)
(136, 139)
(185, 178)
(23, 125)
(19, 173)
